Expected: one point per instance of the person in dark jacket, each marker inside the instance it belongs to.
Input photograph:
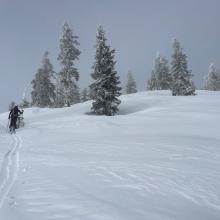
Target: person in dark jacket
(13, 115)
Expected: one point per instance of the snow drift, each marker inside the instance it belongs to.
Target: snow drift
(158, 159)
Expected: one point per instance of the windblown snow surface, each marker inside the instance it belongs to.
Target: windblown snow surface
(158, 159)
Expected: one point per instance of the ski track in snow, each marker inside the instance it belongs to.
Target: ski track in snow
(158, 159)
(10, 166)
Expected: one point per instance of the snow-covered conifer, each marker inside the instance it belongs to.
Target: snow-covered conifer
(59, 91)
(25, 103)
(152, 82)
(212, 80)
(160, 78)
(69, 53)
(105, 88)
(43, 93)
(90, 93)
(181, 77)
(75, 95)
(85, 95)
(131, 86)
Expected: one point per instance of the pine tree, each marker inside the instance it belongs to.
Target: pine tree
(69, 53)
(164, 76)
(11, 106)
(75, 95)
(105, 89)
(25, 103)
(59, 91)
(91, 93)
(181, 77)
(84, 95)
(212, 80)
(131, 86)
(160, 77)
(43, 93)
(152, 82)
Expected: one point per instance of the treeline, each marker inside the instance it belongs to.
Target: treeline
(59, 88)
(177, 77)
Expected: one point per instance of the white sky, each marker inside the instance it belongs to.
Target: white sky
(137, 29)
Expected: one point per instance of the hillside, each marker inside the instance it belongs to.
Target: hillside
(158, 159)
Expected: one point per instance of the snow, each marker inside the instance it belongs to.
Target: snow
(158, 159)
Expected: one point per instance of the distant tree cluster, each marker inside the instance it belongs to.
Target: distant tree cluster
(131, 86)
(160, 77)
(177, 78)
(50, 89)
(60, 89)
(212, 79)
(25, 103)
(43, 94)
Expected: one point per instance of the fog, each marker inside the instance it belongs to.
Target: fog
(136, 29)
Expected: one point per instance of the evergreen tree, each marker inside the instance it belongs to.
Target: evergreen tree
(69, 53)
(164, 76)
(25, 103)
(11, 106)
(160, 77)
(212, 80)
(84, 95)
(131, 86)
(90, 93)
(152, 82)
(43, 93)
(181, 77)
(105, 88)
(75, 95)
(60, 96)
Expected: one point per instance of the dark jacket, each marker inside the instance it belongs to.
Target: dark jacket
(15, 112)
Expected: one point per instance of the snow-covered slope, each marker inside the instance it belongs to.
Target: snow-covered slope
(158, 159)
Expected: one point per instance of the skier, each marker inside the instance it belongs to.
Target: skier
(13, 115)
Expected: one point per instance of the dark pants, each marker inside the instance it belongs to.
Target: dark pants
(13, 123)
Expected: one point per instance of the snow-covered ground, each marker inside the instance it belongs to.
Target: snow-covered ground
(158, 159)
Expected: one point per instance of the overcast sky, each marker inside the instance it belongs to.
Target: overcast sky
(136, 29)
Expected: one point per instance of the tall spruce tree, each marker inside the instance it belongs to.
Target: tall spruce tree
(69, 53)
(182, 83)
(131, 86)
(43, 93)
(212, 80)
(105, 89)
(160, 78)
